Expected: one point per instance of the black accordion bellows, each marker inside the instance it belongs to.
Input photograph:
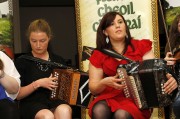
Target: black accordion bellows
(145, 81)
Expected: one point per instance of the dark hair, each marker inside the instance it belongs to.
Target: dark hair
(106, 21)
(39, 25)
(1, 65)
(174, 34)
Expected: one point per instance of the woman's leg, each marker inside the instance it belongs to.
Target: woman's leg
(44, 114)
(8, 110)
(63, 111)
(122, 114)
(101, 111)
(176, 106)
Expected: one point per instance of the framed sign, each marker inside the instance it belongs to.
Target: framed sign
(141, 17)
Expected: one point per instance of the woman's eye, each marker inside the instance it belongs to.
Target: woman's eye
(43, 40)
(112, 23)
(120, 22)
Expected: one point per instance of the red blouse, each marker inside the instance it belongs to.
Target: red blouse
(115, 98)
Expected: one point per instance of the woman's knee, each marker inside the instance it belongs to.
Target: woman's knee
(101, 106)
(101, 111)
(44, 114)
(63, 108)
(122, 114)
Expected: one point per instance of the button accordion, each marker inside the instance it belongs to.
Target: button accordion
(145, 82)
(72, 87)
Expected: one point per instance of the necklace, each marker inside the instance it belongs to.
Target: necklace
(43, 67)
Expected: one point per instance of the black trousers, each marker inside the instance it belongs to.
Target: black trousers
(176, 106)
(8, 109)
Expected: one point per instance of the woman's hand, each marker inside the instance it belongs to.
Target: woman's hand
(114, 82)
(98, 83)
(171, 84)
(48, 83)
(170, 60)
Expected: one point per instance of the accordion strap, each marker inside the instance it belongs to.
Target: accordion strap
(115, 54)
(55, 64)
(35, 59)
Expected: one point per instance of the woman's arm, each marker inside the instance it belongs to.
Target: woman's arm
(97, 82)
(149, 55)
(9, 83)
(10, 79)
(48, 83)
(171, 84)
(170, 60)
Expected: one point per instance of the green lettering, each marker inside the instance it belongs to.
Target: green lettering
(131, 8)
(98, 2)
(116, 8)
(123, 9)
(139, 21)
(134, 24)
(100, 11)
(95, 26)
(128, 22)
(107, 8)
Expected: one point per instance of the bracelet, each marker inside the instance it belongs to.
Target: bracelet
(35, 87)
(2, 74)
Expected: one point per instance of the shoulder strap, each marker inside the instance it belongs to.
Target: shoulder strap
(35, 59)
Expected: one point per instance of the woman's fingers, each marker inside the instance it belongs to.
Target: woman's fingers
(171, 84)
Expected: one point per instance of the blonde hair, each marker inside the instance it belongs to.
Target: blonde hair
(39, 25)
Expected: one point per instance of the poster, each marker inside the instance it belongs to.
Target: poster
(6, 27)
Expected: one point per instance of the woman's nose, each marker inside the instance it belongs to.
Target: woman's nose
(38, 45)
(117, 25)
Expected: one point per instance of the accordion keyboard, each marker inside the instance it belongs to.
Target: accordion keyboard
(133, 88)
(54, 92)
(122, 75)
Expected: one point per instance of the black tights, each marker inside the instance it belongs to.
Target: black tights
(8, 109)
(102, 111)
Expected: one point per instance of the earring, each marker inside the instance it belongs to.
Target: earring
(126, 36)
(107, 40)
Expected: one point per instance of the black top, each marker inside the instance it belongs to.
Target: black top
(177, 70)
(31, 71)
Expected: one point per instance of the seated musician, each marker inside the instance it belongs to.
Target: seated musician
(37, 81)
(173, 57)
(110, 101)
(9, 88)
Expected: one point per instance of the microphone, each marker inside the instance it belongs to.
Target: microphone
(115, 55)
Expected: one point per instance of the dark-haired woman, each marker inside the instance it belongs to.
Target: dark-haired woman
(110, 101)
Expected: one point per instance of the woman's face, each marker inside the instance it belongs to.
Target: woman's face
(39, 42)
(117, 29)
